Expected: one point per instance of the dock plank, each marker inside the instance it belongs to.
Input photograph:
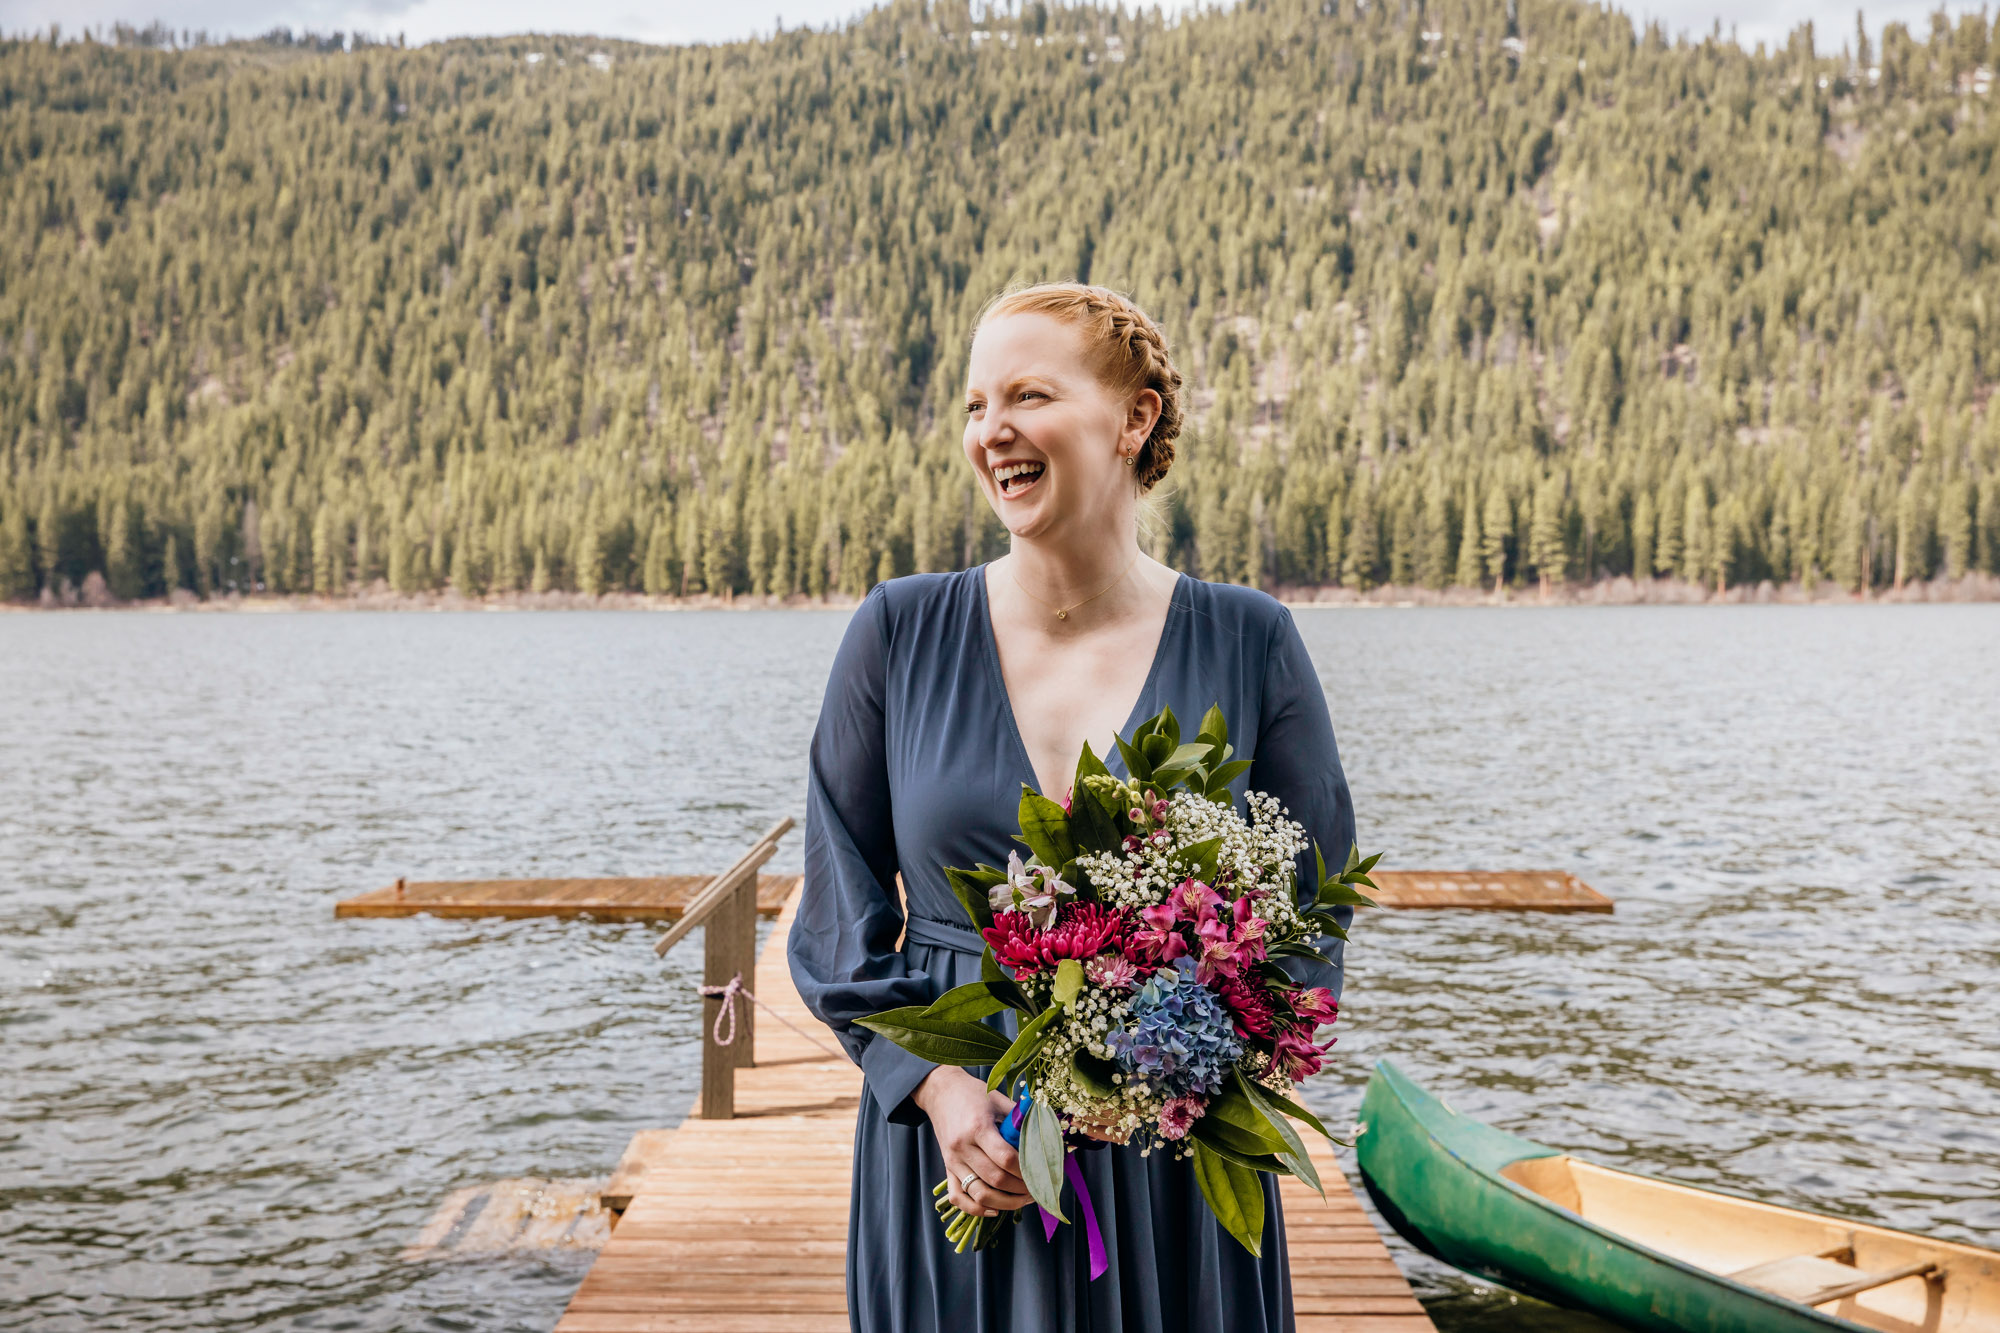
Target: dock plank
(760, 1203)
(1486, 890)
(658, 898)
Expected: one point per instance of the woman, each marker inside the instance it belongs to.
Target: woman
(951, 690)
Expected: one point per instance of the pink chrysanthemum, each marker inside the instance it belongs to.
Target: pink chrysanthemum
(1177, 1117)
(1082, 930)
(1249, 1004)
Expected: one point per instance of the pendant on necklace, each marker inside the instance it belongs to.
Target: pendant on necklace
(1062, 615)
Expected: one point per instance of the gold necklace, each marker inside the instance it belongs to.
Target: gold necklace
(1062, 612)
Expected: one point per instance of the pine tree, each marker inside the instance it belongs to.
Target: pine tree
(1954, 525)
(17, 560)
(1545, 534)
(1642, 537)
(1498, 522)
(1470, 542)
(122, 572)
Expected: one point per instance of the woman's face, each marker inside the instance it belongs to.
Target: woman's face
(1046, 437)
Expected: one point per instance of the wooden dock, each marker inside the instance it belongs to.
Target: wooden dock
(663, 898)
(660, 898)
(1487, 891)
(740, 1225)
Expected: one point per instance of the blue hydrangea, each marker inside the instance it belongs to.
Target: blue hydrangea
(1180, 1040)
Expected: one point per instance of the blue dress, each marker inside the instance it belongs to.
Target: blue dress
(916, 764)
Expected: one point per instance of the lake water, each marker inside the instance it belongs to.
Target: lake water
(221, 1109)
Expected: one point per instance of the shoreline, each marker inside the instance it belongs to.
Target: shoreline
(1620, 591)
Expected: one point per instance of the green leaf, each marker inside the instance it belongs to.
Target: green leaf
(1202, 858)
(1093, 1075)
(1137, 766)
(965, 1004)
(1299, 1112)
(937, 1040)
(1026, 1045)
(1234, 1108)
(970, 886)
(1328, 924)
(1333, 893)
(1045, 829)
(1166, 724)
(1004, 987)
(1092, 826)
(1089, 765)
(1219, 1144)
(1294, 1153)
(1245, 1146)
(1214, 726)
(1069, 980)
(1228, 772)
(1042, 1158)
(1293, 949)
(1234, 1195)
(1157, 748)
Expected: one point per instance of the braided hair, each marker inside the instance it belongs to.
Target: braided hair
(1131, 355)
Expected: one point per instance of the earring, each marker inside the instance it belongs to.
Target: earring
(1128, 460)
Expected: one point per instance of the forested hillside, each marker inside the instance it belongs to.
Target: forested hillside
(1462, 297)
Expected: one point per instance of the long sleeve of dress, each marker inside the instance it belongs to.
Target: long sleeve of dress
(842, 949)
(1297, 762)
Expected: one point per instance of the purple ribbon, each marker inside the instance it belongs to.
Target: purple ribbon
(1010, 1130)
(1074, 1173)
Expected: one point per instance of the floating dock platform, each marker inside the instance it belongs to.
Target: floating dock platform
(740, 1225)
(1486, 890)
(663, 898)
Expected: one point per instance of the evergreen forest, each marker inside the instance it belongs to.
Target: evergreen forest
(1480, 294)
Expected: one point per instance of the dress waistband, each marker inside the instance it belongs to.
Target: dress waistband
(943, 935)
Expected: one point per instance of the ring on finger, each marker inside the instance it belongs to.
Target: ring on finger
(966, 1182)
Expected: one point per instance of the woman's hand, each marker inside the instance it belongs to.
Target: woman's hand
(966, 1119)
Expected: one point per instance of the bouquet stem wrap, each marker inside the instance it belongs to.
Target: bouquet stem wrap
(1010, 1130)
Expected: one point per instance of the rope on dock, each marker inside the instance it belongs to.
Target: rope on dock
(727, 994)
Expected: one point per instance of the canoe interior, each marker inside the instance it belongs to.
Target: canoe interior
(1797, 1255)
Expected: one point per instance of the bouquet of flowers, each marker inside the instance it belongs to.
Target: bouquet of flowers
(1138, 946)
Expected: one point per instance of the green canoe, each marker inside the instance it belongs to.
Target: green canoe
(1645, 1253)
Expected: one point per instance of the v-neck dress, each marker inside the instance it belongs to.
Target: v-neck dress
(916, 764)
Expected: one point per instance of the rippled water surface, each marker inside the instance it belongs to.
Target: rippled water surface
(221, 1109)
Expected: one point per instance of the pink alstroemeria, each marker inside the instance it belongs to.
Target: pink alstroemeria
(1316, 1006)
(1297, 1054)
(1159, 939)
(1032, 889)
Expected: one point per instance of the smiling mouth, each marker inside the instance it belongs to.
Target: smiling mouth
(1013, 478)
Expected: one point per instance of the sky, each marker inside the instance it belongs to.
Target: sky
(727, 20)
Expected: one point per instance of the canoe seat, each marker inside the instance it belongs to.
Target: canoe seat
(1819, 1279)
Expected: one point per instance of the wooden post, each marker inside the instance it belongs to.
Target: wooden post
(727, 907)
